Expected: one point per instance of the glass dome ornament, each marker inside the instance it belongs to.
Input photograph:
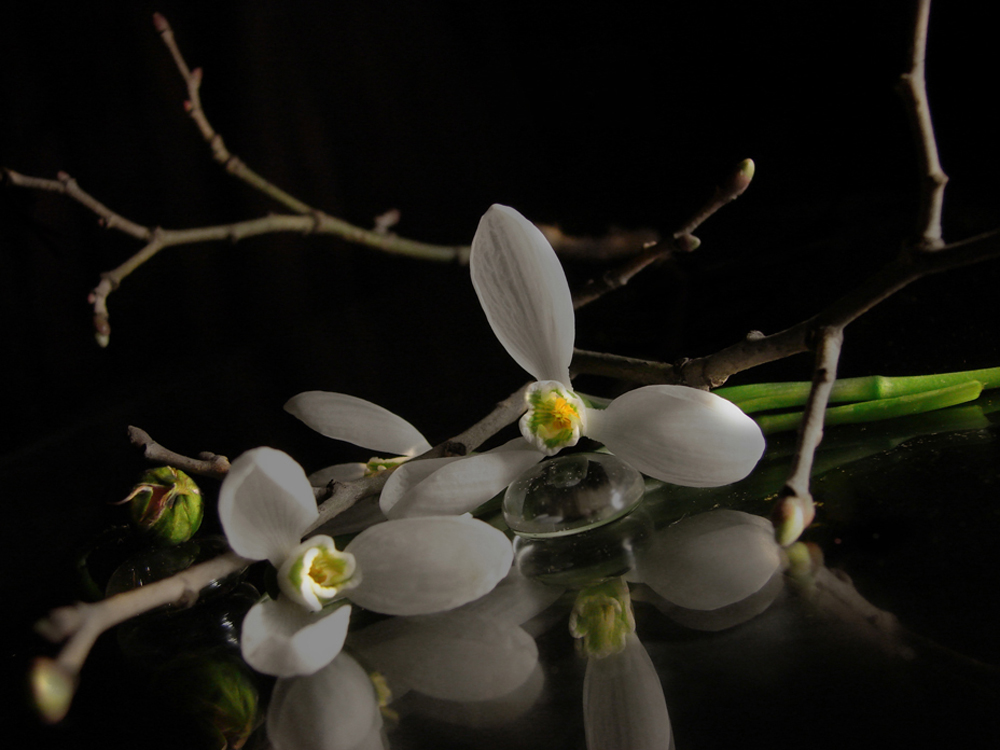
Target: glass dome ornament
(571, 494)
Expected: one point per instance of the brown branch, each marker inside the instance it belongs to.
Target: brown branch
(681, 241)
(206, 465)
(913, 88)
(157, 238)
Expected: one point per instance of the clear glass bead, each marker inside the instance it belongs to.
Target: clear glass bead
(571, 494)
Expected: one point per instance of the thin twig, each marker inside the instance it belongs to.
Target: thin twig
(913, 87)
(795, 509)
(206, 465)
(681, 241)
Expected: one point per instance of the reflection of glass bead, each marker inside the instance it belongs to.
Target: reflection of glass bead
(571, 494)
(580, 560)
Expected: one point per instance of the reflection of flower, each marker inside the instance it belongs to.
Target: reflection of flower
(432, 487)
(623, 702)
(713, 570)
(407, 567)
(334, 709)
(674, 433)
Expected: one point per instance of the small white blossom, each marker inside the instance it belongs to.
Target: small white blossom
(409, 566)
(674, 433)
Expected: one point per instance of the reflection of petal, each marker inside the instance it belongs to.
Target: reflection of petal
(713, 620)
(337, 473)
(265, 503)
(281, 638)
(416, 566)
(623, 703)
(453, 656)
(711, 560)
(495, 712)
(334, 709)
(455, 486)
(524, 293)
(680, 435)
(358, 422)
(515, 600)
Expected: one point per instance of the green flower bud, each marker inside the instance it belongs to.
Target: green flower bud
(602, 618)
(167, 504)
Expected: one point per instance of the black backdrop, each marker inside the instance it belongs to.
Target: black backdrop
(586, 116)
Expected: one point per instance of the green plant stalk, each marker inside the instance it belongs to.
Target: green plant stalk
(765, 396)
(884, 408)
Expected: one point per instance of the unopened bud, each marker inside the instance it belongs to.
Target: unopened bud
(791, 516)
(167, 504)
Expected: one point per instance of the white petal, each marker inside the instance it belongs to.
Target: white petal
(453, 656)
(334, 709)
(357, 421)
(408, 476)
(680, 435)
(523, 291)
(416, 566)
(284, 639)
(623, 703)
(358, 517)
(455, 486)
(710, 560)
(337, 473)
(265, 504)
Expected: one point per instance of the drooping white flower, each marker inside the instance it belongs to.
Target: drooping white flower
(431, 487)
(403, 567)
(674, 433)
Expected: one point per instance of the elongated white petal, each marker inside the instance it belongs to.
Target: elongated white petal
(523, 291)
(334, 709)
(623, 703)
(284, 639)
(710, 560)
(265, 504)
(454, 656)
(455, 486)
(680, 435)
(357, 421)
(408, 476)
(416, 566)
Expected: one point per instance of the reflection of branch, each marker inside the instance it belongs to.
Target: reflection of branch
(81, 624)
(681, 241)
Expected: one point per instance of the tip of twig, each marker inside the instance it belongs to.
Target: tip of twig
(740, 179)
(160, 22)
(52, 689)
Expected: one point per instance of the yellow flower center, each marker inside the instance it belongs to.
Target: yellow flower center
(555, 417)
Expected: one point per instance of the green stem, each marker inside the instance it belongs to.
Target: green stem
(765, 396)
(883, 408)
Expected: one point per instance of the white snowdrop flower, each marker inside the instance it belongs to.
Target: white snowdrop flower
(674, 433)
(410, 566)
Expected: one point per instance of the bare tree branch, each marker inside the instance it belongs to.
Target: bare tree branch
(681, 241)
(206, 465)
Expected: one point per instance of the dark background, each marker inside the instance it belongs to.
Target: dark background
(619, 115)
